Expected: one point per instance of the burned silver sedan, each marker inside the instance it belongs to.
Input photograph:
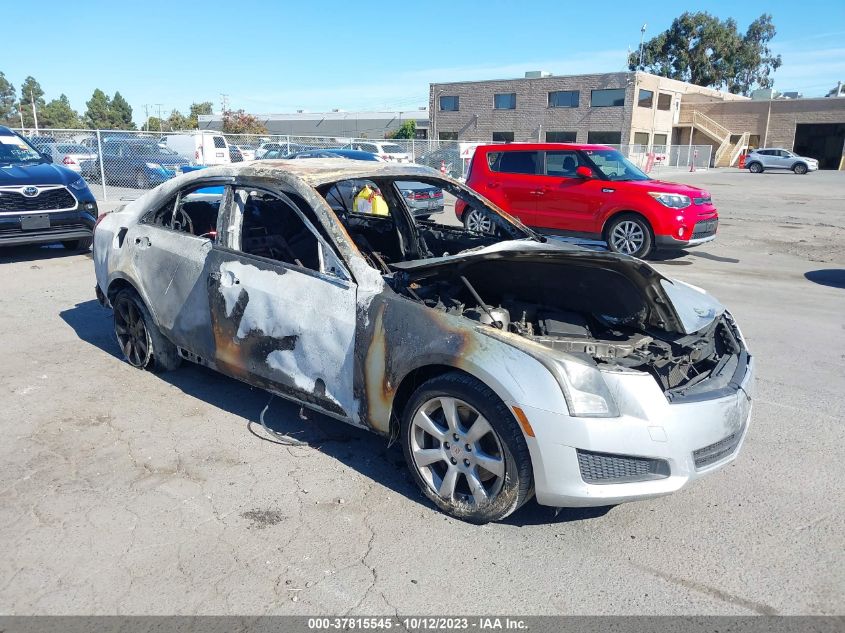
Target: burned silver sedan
(507, 365)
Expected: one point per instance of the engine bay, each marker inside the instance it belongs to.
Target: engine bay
(591, 313)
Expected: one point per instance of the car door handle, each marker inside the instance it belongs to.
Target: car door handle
(539, 192)
(492, 185)
(227, 279)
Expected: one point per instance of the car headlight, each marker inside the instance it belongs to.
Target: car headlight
(154, 166)
(585, 391)
(672, 200)
(79, 184)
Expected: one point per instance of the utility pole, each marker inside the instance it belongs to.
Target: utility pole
(34, 113)
(146, 125)
(224, 98)
(20, 111)
(642, 38)
(159, 117)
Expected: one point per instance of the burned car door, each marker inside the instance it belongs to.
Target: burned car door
(282, 304)
(170, 247)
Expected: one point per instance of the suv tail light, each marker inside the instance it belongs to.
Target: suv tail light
(67, 160)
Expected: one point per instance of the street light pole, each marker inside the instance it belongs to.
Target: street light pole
(642, 38)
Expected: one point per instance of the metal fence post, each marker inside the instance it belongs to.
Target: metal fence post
(102, 168)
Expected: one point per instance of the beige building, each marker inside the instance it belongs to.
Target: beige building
(634, 108)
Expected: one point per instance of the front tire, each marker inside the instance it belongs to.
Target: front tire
(755, 168)
(630, 234)
(800, 169)
(142, 180)
(465, 450)
(477, 222)
(142, 343)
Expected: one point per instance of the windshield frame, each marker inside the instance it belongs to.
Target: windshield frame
(639, 174)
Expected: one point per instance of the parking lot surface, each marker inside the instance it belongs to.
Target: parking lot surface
(128, 492)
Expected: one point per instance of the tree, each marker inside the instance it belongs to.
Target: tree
(702, 49)
(177, 121)
(8, 102)
(196, 110)
(154, 124)
(59, 114)
(97, 114)
(407, 130)
(120, 113)
(239, 122)
(31, 92)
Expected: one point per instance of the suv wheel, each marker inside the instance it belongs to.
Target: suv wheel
(477, 222)
(755, 168)
(465, 449)
(142, 343)
(629, 234)
(799, 168)
(142, 179)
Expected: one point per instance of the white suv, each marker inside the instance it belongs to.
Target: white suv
(778, 158)
(387, 151)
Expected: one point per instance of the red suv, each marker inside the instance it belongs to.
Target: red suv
(588, 191)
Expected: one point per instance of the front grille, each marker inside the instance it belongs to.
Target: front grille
(706, 228)
(605, 468)
(717, 451)
(56, 228)
(703, 200)
(49, 200)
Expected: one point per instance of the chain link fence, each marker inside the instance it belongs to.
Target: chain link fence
(119, 164)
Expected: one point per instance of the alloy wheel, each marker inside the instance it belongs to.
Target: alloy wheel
(478, 223)
(131, 333)
(456, 452)
(627, 237)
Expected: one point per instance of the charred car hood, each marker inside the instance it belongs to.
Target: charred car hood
(674, 305)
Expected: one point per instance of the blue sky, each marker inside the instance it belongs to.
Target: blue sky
(282, 56)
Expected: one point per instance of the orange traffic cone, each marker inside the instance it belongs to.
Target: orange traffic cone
(442, 166)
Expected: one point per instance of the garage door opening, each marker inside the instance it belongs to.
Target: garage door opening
(824, 141)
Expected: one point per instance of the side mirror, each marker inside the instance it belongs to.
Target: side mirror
(584, 172)
(47, 158)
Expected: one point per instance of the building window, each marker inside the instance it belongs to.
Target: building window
(664, 101)
(607, 98)
(605, 138)
(503, 137)
(560, 137)
(447, 136)
(506, 101)
(564, 99)
(641, 138)
(660, 140)
(646, 98)
(449, 104)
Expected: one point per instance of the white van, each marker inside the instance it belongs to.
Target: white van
(201, 148)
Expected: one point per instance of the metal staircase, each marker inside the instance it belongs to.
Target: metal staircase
(726, 153)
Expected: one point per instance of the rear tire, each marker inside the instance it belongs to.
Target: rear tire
(82, 244)
(465, 450)
(142, 180)
(755, 168)
(142, 343)
(630, 234)
(800, 169)
(476, 222)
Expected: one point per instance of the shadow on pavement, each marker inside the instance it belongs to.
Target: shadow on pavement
(833, 277)
(35, 252)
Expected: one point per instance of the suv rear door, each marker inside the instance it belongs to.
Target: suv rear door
(513, 181)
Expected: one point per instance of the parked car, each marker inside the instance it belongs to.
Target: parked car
(387, 151)
(272, 154)
(71, 155)
(134, 163)
(759, 160)
(235, 155)
(42, 143)
(41, 202)
(589, 191)
(201, 147)
(282, 148)
(423, 200)
(351, 154)
(504, 363)
(248, 151)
